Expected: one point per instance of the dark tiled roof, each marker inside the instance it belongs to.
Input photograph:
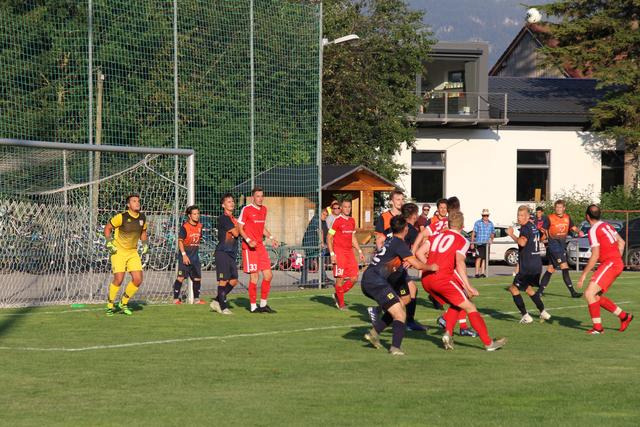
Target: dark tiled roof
(558, 100)
(277, 180)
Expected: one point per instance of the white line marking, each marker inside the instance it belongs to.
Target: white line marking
(224, 337)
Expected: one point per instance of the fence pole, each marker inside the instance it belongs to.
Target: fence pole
(487, 257)
(319, 150)
(93, 215)
(626, 240)
(252, 101)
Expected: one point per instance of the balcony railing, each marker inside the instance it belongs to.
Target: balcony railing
(442, 107)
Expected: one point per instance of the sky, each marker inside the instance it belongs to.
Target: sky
(494, 21)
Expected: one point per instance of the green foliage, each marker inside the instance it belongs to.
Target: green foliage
(369, 85)
(620, 198)
(44, 87)
(576, 202)
(602, 39)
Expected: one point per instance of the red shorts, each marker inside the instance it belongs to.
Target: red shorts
(346, 265)
(607, 273)
(445, 289)
(255, 259)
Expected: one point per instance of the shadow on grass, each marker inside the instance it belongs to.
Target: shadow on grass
(242, 302)
(357, 334)
(496, 314)
(324, 300)
(11, 319)
(567, 322)
(362, 311)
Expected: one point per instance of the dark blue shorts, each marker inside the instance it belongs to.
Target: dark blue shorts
(226, 267)
(379, 290)
(556, 256)
(523, 281)
(193, 270)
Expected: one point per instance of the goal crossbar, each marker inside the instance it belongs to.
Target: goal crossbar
(187, 153)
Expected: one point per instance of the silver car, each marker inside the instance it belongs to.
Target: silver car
(579, 248)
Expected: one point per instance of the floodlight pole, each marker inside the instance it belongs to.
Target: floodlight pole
(319, 152)
(322, 42)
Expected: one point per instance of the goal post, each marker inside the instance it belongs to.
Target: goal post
(53, 211)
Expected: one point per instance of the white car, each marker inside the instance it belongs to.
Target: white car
(504, 249)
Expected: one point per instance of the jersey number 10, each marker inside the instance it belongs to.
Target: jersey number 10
(442, 243)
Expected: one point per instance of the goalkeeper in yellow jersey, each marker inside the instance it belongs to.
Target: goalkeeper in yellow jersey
(123, 233)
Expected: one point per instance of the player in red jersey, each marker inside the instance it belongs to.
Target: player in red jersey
(255, 258)
(439, 223)
(607, 248)
(448, 250)
(383, 224)
(341, 241)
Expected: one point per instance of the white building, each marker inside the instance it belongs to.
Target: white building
(498, 142)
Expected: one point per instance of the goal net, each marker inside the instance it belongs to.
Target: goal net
(55, 200)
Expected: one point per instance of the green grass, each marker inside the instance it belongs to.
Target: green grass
(308, 365)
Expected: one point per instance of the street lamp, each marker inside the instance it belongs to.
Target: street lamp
(322, 43)
(343, 39)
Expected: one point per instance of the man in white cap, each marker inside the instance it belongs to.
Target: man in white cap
(482, 234)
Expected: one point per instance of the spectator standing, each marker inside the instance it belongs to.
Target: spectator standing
(423, 219)
(482, 234)
(335, 211)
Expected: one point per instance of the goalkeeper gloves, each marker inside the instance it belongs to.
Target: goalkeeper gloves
(111, 246)
(145, 248)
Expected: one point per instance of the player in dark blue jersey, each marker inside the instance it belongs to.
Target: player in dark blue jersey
(376, 285)
(400, 280)
(530, 264)
(410, 212)
(226, 251)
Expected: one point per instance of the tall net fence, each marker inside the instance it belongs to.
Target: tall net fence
(245, 98)
(52, 247)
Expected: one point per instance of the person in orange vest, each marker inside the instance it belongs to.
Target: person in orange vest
(557, 227)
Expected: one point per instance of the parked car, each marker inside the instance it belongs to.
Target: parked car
(632, 238)
(503, 249)
(580, 248)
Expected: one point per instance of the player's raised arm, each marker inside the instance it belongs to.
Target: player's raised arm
(234, 230)
(423, 237)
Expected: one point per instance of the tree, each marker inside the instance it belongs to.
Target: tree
(601, 39)
(369, 85)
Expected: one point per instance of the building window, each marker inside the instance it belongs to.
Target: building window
(533, 176)
(612, 169)
(427, 175)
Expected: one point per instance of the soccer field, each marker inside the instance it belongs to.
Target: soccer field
(308, 365)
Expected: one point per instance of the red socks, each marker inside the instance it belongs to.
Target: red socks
(462, 319)
(451, 318)
(253, 292)
(594, 311)
(611, 306)
(265, 287)
(481, 328)
(340, 295)
(346, 287)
